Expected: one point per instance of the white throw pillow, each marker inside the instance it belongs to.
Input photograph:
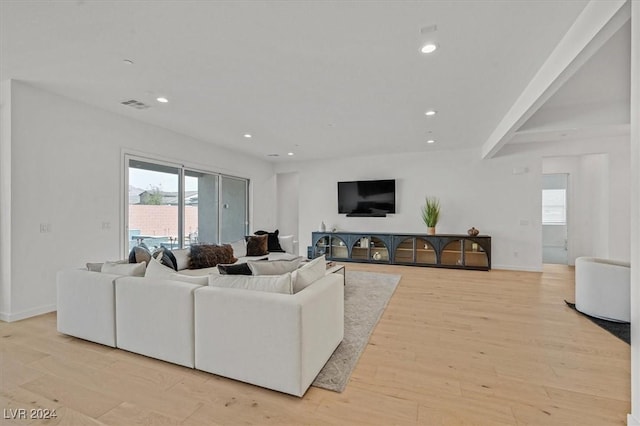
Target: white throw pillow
(126, 269)
(309, 273)
(182, 258)
(155, 269)
(273, 267)
(239, 248)
(97, 266)
(286, 242)
(268, 283)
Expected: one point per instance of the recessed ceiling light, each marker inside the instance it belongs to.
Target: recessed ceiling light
(430, 113)
(289, 154)
(429, 48)
(431, 141)
(247, 135)
(162, 100)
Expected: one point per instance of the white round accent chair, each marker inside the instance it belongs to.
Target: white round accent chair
(603, 288)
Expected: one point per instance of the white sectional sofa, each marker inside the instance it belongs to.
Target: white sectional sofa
(86, 305)
(277, 341)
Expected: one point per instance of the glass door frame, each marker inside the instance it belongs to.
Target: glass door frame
(127, 157)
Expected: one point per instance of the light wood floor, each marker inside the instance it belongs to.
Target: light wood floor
(453, 347)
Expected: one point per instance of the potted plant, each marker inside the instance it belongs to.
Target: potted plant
(431, 214)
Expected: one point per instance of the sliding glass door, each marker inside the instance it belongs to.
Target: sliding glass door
(152, 207)
(173, 206)
(234, 193)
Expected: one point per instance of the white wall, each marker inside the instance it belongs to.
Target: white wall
(492, 195)
(485, 194)
(5, 196)
(599, 206)
(288, 187)
(634, 416)
(67, 172)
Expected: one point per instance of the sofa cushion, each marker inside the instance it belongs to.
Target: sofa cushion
(239, 248)
(95, 267)
(139, 253)
(273, 245)
(203, 272)
(235, 269)
(274, 267)
(127, 269)
(310, 272)
(256, 245)
(209, 255)
(199, 280)
(267, 283)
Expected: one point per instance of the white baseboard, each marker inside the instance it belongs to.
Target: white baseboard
(517, 268)
(27, 314)
(632, 421)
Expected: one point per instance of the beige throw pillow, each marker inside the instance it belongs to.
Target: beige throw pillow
(274, 267)
(239, 248)
(309, 273)
(126, 269)
(182, 258)
(157, 270)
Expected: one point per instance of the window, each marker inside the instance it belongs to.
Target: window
(173, 206)
(554, 207)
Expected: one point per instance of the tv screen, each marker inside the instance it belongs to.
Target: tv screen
(367, 197)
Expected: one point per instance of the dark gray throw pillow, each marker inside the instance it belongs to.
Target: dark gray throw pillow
(236, 269)
(140, 253)
(239, 269)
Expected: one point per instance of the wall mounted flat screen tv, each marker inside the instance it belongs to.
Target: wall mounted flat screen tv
(367, 197)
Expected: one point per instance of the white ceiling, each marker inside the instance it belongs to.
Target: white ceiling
(595, 102)
(320, 79)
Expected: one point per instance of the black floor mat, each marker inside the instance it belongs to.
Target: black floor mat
(622, 330)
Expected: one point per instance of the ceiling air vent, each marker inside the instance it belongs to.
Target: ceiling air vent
(135, 104)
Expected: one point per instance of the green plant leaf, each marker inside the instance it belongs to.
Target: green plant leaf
(431, 211)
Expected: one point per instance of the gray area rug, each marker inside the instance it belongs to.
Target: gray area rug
(366, 295)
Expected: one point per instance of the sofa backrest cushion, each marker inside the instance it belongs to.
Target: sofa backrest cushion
(310, 272)
(268, 283)
(274, 267)
(97, 266)
(126, 269)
